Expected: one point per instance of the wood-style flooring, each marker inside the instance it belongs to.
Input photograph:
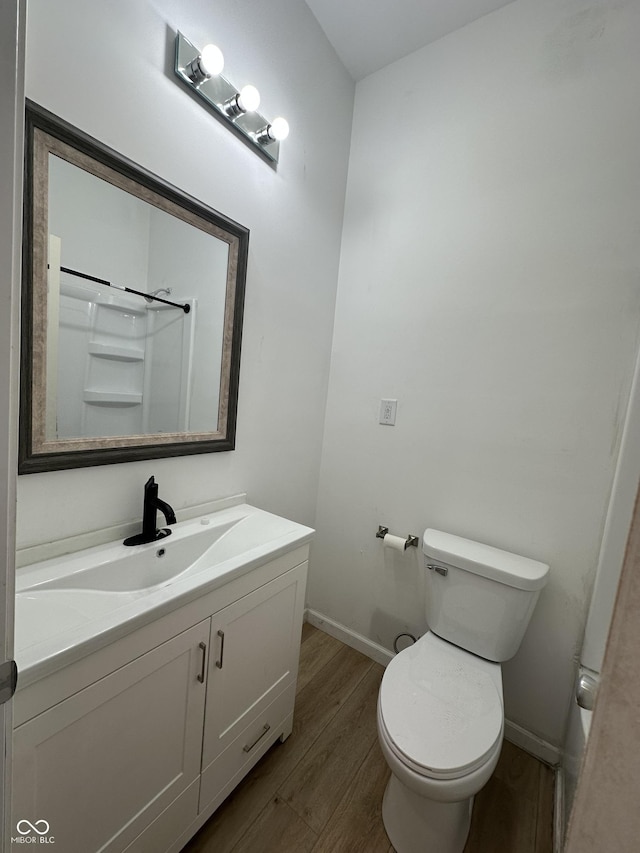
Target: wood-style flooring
(322, 789)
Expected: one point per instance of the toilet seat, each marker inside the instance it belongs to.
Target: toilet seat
(441, 709)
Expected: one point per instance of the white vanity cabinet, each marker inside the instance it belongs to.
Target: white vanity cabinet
(137, 758)
(253, 664)
(99, 766)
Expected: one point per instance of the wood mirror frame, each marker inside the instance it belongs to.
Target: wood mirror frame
(47, 134)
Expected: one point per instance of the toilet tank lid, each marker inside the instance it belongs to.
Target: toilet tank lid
(492, 563)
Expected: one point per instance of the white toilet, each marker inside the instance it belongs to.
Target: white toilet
(440, 708)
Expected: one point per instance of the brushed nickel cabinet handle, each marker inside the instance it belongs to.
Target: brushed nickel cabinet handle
(250, 746)
(219, 661)
(203, 666)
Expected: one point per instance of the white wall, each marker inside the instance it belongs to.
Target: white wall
(107, 68)
(489, 282)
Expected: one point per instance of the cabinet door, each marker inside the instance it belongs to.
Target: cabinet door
(255, 647)
(101, 765)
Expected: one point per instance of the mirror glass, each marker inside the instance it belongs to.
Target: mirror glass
(133, 309)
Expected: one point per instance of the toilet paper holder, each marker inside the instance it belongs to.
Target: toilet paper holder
(410, 541)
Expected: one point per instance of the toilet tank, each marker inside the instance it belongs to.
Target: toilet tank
(478, 597)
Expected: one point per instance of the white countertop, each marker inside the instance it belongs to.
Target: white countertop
(59, 620)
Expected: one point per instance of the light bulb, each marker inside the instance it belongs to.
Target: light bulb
(205, 65)
(279, 128)
(249, 99)
(274, 132)
(211, 60)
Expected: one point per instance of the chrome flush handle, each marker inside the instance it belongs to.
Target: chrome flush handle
(441, 570)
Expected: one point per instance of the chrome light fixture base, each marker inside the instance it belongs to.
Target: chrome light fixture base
(219, 93)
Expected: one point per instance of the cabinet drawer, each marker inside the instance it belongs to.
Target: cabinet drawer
(224, 773)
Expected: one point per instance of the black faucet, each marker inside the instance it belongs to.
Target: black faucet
(152, 504)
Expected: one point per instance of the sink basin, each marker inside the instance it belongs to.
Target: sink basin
(211, 543)
(126, 569)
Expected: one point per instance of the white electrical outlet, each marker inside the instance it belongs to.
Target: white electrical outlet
(388, 412)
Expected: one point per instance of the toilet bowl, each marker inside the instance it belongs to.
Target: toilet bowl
(440, 705)
(440, 728)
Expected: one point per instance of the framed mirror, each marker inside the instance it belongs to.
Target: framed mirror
(133, 295)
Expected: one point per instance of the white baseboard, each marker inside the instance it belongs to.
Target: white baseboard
(349, 637)
(516, 734)
(532, 744)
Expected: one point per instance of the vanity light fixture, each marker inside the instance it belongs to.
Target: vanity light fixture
(201, 70)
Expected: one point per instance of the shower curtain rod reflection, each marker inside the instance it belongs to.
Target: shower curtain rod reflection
(185, 308)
